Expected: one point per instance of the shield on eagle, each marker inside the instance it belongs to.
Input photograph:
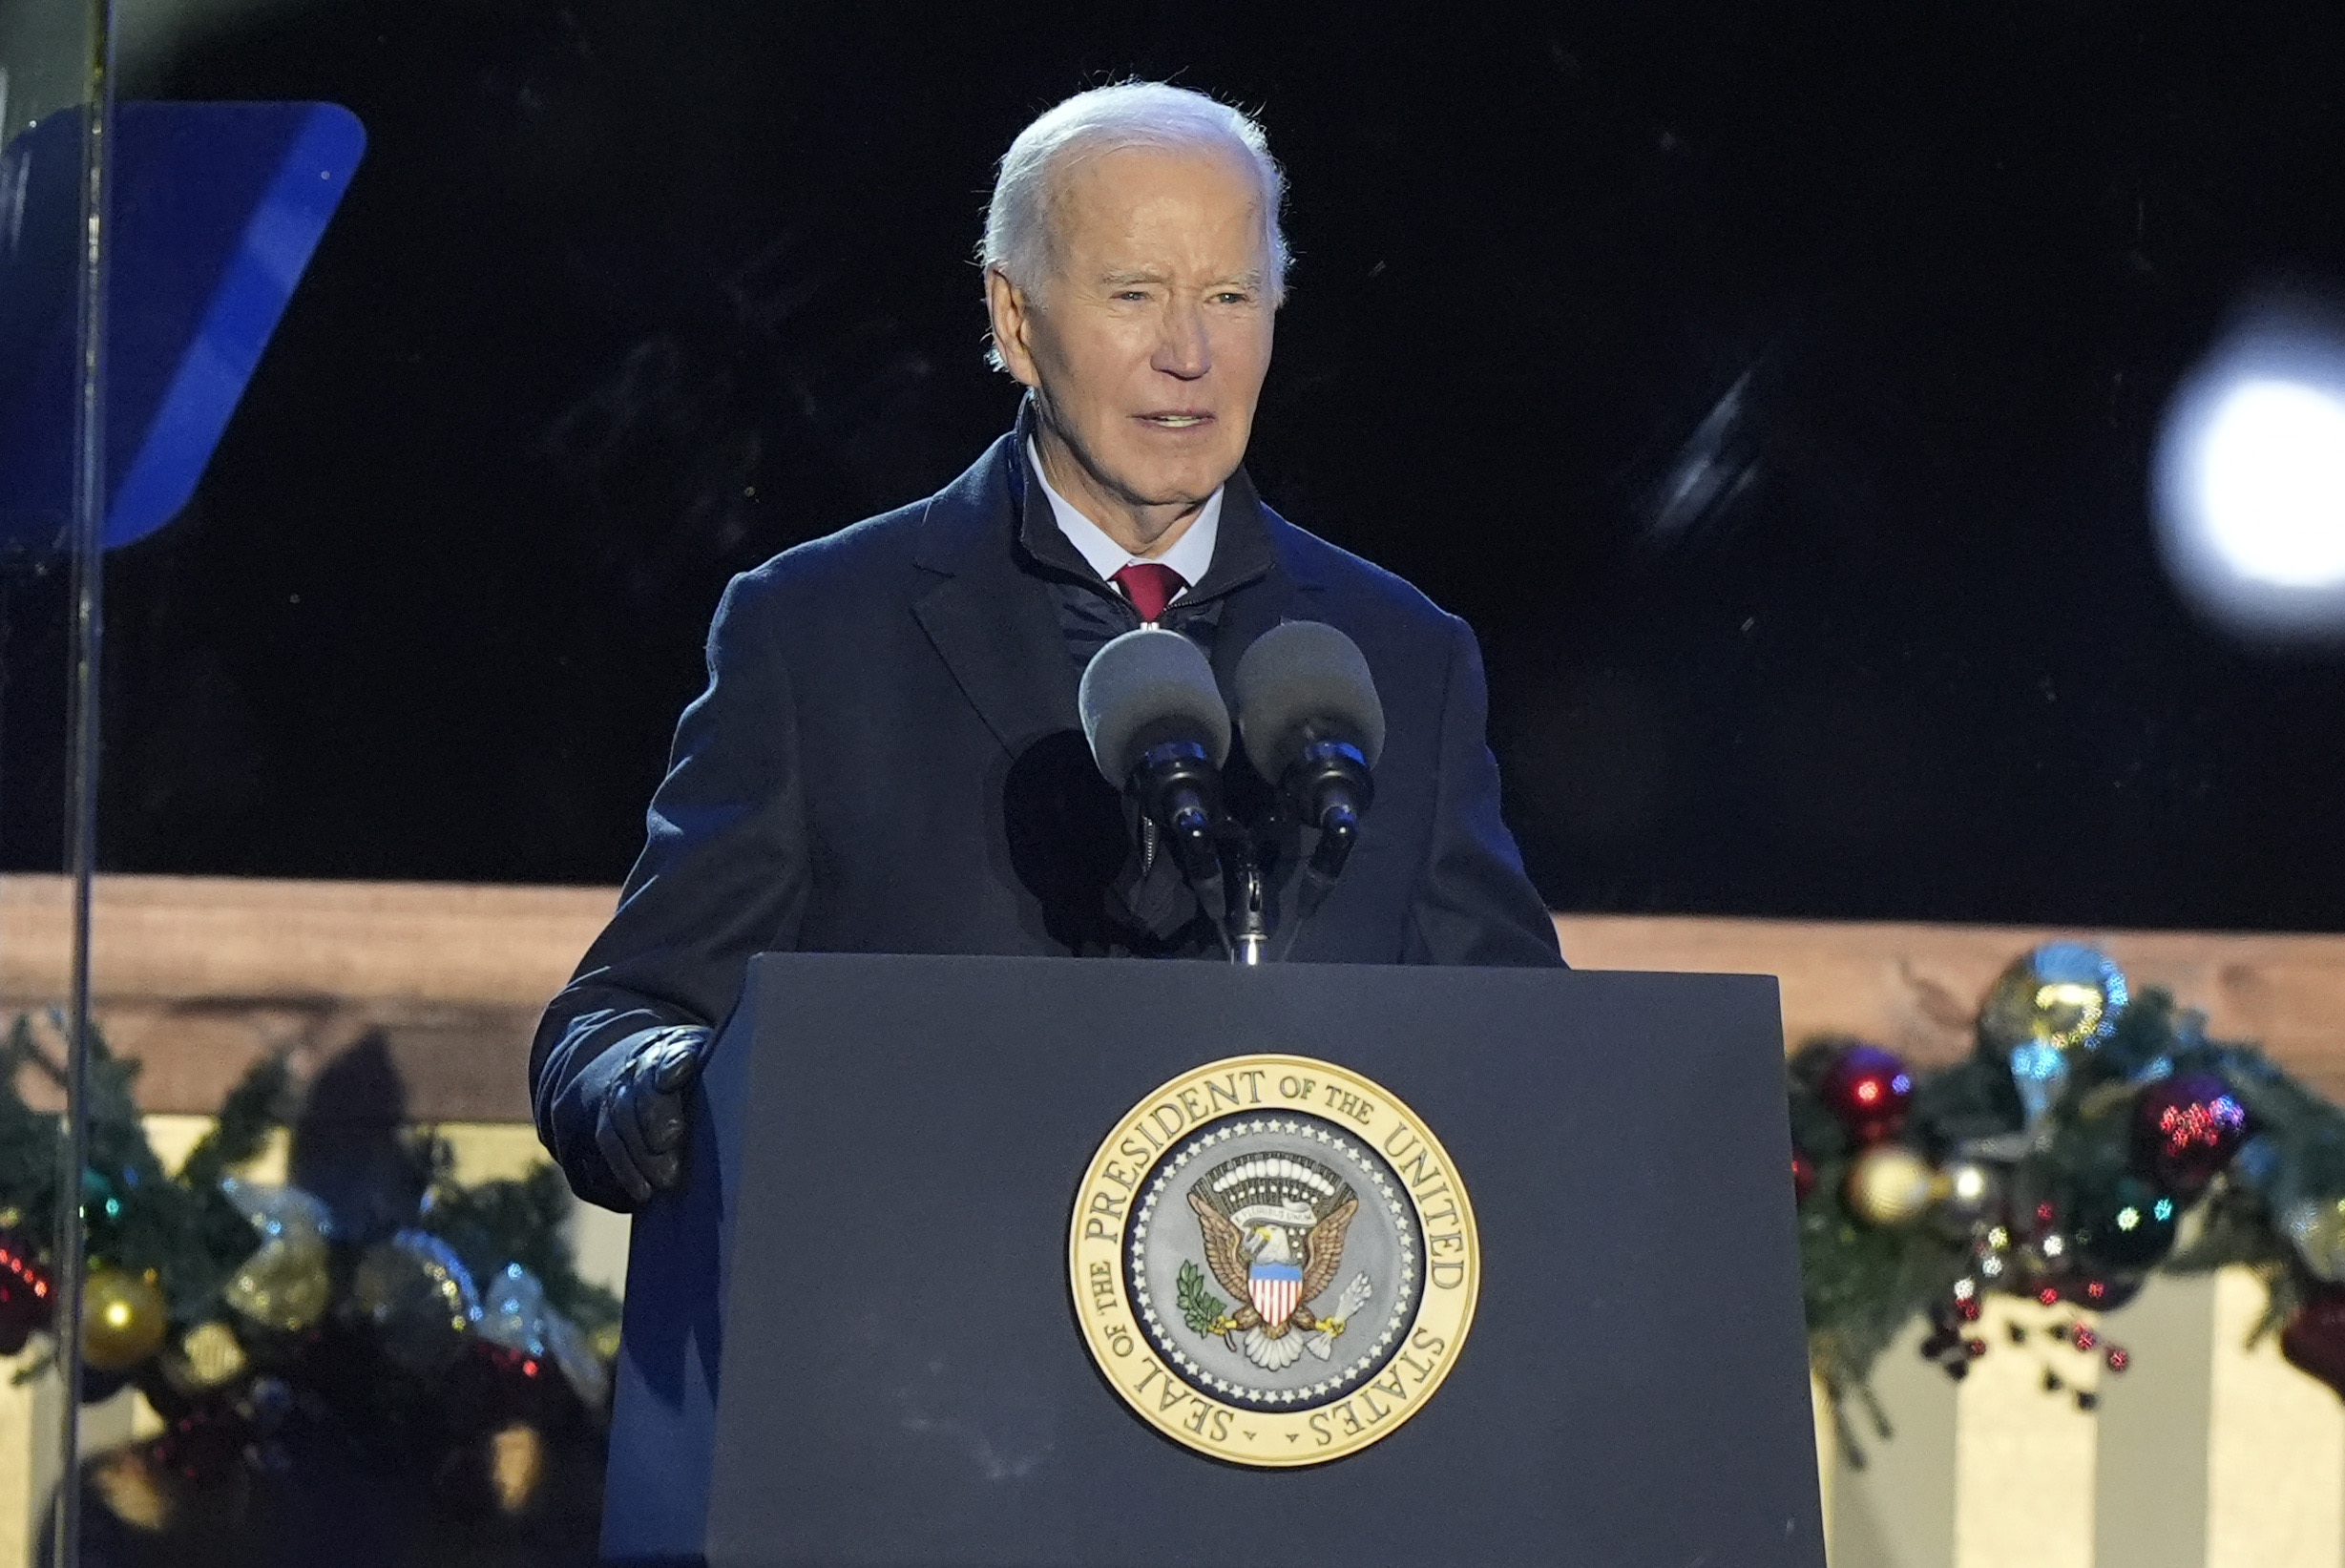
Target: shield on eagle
(1276, 1290)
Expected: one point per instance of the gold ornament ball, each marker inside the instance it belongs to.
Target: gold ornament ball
(2064, 995)
(1890, 1185)
(123, 1319)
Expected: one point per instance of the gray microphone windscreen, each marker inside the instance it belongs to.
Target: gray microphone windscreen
(1145, 687)
(1303, 681)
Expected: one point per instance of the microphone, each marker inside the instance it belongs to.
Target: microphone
(1312, 725)
(1158, 729)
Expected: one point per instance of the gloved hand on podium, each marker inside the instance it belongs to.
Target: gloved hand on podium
(641, 1122)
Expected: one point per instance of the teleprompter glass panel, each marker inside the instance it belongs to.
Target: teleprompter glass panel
(53, 167)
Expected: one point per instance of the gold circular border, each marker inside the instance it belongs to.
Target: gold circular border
(1274, 1084)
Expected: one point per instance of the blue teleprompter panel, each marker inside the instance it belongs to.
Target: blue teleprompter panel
(216, 210)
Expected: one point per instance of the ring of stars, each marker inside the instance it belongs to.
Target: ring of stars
(1366, 1163)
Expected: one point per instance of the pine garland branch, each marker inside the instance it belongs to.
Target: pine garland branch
(254, 1109)
(29, 1139)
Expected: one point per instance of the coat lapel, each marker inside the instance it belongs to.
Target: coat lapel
(995, 626)
(992, 625)
(1268, 585)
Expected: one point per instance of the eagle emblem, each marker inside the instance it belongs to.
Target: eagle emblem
(1322, 1292)
(1273, 1228)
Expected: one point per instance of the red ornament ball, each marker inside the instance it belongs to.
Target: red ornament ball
(1870, 1090)
(2186, 1128)
(2315, 1339)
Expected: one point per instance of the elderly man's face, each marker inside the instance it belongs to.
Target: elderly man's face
(1147, 344)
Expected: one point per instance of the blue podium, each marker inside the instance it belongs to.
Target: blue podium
(850, 1338)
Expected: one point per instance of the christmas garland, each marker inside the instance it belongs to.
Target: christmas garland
(2092, 1139)
(450, 1336)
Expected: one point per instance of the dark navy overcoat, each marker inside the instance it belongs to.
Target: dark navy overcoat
(887, 760)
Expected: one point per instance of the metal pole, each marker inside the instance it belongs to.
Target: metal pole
(89, 532)
(1252, 929)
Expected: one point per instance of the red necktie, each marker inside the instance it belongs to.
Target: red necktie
(1150, 586)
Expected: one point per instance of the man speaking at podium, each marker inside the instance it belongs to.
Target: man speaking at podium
(887, 757)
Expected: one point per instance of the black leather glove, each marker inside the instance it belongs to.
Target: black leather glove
(640, 1125)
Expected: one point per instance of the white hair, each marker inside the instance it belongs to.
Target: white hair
(1157, 115)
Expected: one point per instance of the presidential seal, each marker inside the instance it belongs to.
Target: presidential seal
(1273, 1261)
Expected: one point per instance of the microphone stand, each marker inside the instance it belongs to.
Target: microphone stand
(1249, 915)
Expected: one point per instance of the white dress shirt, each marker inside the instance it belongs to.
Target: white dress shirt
(1191, 554)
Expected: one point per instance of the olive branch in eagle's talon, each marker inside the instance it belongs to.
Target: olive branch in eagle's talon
(1204, 1311)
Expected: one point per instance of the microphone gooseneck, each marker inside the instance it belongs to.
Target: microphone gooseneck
(1158, 729)
(1312, 723)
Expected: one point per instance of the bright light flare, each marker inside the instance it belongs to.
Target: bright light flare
(2272, 470)
(2250, 481)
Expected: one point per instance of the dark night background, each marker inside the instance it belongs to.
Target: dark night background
(628, 298)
